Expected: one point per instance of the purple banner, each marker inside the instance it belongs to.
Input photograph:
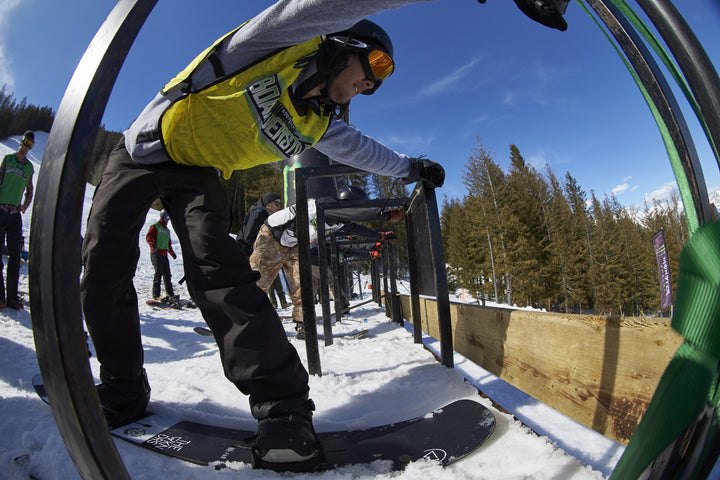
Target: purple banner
(663, 269)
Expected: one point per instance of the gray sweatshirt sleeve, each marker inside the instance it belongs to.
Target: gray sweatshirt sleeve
(289, 22)
(349, 146)
(286, 22)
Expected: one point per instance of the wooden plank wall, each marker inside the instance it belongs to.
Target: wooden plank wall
(599, 371)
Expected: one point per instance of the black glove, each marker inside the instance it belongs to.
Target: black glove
(548, 12)
(423, 169)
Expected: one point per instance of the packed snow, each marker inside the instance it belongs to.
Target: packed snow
(379, 379)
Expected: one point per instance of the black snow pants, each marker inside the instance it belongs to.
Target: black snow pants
(11, 229)
(162, 274)
(256, 354)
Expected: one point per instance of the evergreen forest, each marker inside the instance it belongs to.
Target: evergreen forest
(532, 239)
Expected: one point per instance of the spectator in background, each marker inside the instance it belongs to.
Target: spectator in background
(158, 237)
(16, 175)
(267, 205)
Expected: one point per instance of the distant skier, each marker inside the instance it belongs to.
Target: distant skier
(259, 211)
(158, 237)
(276, 246)
(270, 89)
(16, 174)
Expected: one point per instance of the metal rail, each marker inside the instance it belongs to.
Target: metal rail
(55, 247)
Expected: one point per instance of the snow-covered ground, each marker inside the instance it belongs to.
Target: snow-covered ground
(379, 379)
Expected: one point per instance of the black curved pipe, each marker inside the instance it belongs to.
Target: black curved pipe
(55, 246)
(694, 62)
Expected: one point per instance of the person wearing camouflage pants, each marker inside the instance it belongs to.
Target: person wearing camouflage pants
(268, 258)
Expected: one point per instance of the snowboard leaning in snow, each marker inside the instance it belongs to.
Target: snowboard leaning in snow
(445, 436)
(355, 334)
(177, 303)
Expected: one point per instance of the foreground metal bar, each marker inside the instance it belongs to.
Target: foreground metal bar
(694, 62)
(306, 293)
(662, 97)
(55, 247)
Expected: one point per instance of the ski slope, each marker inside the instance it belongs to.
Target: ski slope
(379, 379)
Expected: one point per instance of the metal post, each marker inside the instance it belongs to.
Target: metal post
(336, 278)
(413, 275)
(443, 296)
(323, 267)
(303, 237)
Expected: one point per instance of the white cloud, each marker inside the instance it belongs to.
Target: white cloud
(620, 189)
(662, 193)
(537, 159)
(440, 86)
(6, 77)
(509, 98)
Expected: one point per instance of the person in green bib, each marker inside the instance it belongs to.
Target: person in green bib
(16, 175)
(158, 237)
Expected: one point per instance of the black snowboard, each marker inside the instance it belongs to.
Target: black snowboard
(356, 334)
(445, 436)
(177, 303)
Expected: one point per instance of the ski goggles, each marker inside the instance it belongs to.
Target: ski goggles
(378, 64)
(26, 142)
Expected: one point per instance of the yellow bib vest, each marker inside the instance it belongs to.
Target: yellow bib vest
(243, 119)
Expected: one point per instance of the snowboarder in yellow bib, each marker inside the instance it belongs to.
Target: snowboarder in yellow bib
(272, 88)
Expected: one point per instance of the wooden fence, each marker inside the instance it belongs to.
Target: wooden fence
(600, 371)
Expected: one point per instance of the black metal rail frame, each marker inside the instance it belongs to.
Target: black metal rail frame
(321, 207)
(421, 194)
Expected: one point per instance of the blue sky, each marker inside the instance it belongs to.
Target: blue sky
(464, 70)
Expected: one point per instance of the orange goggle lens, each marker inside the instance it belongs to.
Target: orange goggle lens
(27, 143)
(381, 64)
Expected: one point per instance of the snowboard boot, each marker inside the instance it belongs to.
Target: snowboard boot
(300, 330)
(286, 440)
(123, 401)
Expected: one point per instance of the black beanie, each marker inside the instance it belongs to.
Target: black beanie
(29, 134)
(269, 198)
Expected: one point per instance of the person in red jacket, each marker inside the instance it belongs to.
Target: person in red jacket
(158, 237)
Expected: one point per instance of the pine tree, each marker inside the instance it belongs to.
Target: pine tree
(484, 180)
(582, 269)
(526, 199)
(561, 237)
(453, 235)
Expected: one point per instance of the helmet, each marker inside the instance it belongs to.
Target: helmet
(375, 47)
(351, 193)
(28, 139)
(164, 215)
